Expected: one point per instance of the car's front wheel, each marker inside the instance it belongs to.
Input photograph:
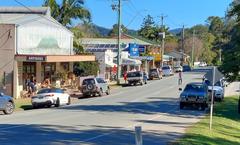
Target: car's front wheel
(181, 105)
(9, 108)
(100, 93)
(57, 103)
(69, 101)
(108, 91)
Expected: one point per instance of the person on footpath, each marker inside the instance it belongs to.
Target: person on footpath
(179, 77)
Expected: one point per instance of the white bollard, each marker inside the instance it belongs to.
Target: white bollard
(138, 135)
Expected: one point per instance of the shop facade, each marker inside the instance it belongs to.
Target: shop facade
(34, 45)
(105, 50)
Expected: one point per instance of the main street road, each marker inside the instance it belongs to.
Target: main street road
(108, 120)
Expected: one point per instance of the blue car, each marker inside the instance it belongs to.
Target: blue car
(6, 104)
(194, 94)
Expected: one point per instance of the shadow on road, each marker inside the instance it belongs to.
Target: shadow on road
(53, 134)
(167, 106)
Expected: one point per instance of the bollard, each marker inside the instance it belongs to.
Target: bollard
(138, 135)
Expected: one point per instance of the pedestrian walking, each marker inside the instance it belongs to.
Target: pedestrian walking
(125, 77)
(179, 77)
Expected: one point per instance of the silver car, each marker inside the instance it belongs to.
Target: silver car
(6, 104)
(94, 86)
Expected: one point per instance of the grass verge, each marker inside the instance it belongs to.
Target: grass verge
(225, 129)
(23, 104)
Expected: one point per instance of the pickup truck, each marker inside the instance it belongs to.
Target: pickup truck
(135, 78)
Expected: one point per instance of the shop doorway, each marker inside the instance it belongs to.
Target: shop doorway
(29, 71)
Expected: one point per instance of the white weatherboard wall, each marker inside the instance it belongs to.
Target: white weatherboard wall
(43, 37)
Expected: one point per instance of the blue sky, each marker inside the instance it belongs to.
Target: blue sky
(178, 12)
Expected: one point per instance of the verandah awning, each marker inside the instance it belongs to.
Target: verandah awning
(129, 61)
(55, 58)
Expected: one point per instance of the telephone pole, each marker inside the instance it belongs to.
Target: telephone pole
(163, 38)
(193, 47)
(183, 31)
(118, 7)
(119, 41)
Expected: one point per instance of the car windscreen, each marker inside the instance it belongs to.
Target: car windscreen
(165, 67)
(218, 84)
(153, 70)
(43, 91)
(208, 82)
(194, 87)
(88, 81)
(134, 74)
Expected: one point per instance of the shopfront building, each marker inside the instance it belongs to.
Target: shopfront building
(34, 45)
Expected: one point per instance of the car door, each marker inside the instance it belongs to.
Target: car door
(103, 84)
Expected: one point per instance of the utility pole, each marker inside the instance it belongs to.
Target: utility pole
(119, 10)
(193, 47)
(163, 38)
(183, 29)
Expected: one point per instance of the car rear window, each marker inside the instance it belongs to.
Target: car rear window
(43, 91)
(194, 87)
(88, 81)
(153, 70)
(165, 67)
(134, 74)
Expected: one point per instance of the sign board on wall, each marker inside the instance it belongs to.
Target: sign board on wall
(133, 49)
(36, 58)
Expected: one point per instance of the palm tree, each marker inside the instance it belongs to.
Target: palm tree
(68, 10)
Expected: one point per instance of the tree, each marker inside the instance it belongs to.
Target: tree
(216, 25)
(68, 10)
(114, 30)
(148, 29)
(231, 54)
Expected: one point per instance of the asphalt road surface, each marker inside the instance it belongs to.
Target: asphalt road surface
(107, 120)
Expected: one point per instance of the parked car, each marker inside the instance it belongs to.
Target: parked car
(135, 78)
(50, 96)
(202, 64)
(167, 70)
(195, 94)
(155, 73)
(218, 89)
(186, 68)
(6, 104)
(178, 68)
(94, 86)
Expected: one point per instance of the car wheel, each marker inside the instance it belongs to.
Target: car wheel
(181, 105)
(108, 91)
(100, 93)
(57, 103)
(9, 108)
(49, 106)
(35, 106)
(203, 106)
(69, 101)
(141, 83)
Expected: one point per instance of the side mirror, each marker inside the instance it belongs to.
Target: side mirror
(1, 94)
(180, 89)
